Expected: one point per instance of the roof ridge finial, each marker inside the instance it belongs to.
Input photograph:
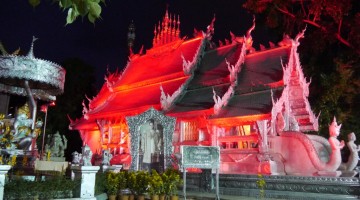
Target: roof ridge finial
(168, 29)
(248, 33)
(178, 27)
(210, 28)
(31, 51)
(300, 35)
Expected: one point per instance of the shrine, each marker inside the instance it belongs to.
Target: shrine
(251, 103)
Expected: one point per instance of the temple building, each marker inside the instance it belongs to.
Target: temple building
(229, 95)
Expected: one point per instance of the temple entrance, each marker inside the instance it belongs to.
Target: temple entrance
(151, 140)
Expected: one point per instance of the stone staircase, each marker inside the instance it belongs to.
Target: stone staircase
(298, 104)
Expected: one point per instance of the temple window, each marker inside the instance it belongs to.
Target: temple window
(242, 137)
(189, 130)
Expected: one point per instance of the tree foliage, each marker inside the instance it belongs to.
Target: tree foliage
(75, 8)
(329, 52)
(79, 82)
(338, 19)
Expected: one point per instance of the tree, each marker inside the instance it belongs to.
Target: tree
(338, 19)
(330, 53)
(75, 8)
(79, 82)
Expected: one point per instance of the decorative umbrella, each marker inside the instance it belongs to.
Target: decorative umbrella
(18, 74)
(32, 77)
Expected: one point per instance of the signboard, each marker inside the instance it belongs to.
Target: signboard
(204, 157)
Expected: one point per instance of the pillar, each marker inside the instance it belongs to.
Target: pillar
(87, 174)
(3, 170)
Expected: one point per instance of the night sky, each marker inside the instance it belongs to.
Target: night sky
(104, 44)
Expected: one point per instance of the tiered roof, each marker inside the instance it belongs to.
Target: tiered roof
(189, 78)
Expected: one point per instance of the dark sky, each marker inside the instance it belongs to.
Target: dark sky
(104, 44)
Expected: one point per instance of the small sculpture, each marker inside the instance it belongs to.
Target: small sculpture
(106, 157)
(86, 156)
(350, 165)
(76, 158)
(334, 131)
(58, 145)
(23, 135)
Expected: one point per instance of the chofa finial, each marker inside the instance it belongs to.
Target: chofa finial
(300, 35)
(31, 51)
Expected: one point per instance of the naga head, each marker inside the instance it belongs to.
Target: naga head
(334, 128)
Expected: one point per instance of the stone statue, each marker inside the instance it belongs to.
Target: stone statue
(58, 145)
(23, 135)
(334, 131)
(86, 156)
(336, 146)
(76, 158)
(348, 167)
(17, 133)
(106, 157)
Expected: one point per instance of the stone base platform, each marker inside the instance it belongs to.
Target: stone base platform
(277, 187)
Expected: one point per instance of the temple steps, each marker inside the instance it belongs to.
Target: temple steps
(306, 128)
(299, 111)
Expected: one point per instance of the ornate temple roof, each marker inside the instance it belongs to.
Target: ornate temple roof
(189, 78)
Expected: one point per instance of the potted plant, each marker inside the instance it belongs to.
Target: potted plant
(156, 186)
(123, 185)
(142, 184)
(131, 183)
(171, 178)
(112, 184)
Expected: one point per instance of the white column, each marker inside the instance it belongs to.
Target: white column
(87, 174)
(3, 170)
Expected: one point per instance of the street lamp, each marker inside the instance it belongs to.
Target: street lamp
(44, 108)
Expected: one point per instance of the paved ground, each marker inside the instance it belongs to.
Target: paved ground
(211, 196)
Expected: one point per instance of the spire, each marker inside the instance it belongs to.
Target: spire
(31, 51)
(168, 30)
(131, 36)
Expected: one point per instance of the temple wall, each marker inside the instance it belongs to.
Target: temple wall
(92, 138)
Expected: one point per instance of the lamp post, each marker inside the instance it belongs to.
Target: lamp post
(45, 108)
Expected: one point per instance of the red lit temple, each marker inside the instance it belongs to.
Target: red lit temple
(231, 96)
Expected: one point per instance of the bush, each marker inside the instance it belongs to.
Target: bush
(171, 178)
(156, 184)
(142, 182)
(50, 188)
(112, 183)
(100, 183)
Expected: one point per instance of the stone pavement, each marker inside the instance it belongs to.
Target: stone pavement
(211, 196)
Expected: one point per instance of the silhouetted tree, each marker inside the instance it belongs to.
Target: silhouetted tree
(79, 81)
